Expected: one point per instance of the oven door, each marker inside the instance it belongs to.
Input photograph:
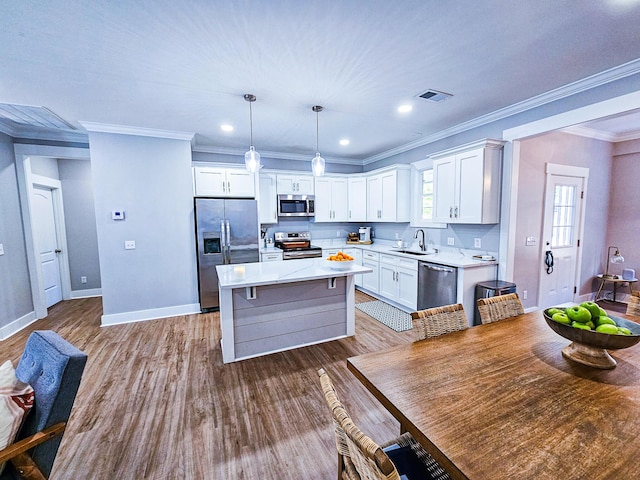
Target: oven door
(296, 206)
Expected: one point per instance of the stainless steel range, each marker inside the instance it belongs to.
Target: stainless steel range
(296, 245)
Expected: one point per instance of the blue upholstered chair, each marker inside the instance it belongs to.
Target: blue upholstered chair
(53, 367)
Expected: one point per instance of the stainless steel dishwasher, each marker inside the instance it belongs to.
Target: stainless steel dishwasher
(437, 285)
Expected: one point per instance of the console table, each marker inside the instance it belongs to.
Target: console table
(615, 281)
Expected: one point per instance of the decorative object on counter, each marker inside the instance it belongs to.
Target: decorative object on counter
(484, 258)
(340, 261)
(317, 164)
(388, 315)
(251, 158)
(589, 347)
(353, 237)
(437, 321)
(615, 258)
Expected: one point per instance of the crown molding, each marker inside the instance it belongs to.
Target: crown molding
(137, 131)
(587, 132)
(602, 78)
(276, 155)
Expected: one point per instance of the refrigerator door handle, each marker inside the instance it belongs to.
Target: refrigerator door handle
(228, 242)
(224, 243)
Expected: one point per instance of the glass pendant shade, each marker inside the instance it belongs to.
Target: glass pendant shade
(252, 160)
(317, 165)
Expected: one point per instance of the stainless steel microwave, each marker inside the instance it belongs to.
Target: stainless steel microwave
(296, 206)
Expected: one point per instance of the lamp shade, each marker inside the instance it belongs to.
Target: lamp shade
(317, 165)
(252, 160)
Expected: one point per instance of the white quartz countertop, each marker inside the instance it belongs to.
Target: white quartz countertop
(452, 257)
(269, 273)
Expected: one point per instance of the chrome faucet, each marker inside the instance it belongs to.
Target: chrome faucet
(421, 243)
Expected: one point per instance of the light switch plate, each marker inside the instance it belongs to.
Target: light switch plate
(450, 241)
(477, 243)
(129, 244)
(1, 249)
(531, 241)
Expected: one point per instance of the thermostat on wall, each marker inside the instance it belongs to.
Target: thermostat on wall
(117, 215)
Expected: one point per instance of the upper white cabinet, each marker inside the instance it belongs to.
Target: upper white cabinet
(357, 199)
(295, 184)
(388, 194)
(268, 204)
(467, 184)
(331, 199)
(223, 182)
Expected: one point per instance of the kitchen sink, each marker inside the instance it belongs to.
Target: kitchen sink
(413, 252)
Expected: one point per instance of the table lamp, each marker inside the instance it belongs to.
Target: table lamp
(615, 258)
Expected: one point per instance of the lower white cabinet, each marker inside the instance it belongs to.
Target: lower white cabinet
(370, 280)
(357, 254)
(270, 256)
(399, 280)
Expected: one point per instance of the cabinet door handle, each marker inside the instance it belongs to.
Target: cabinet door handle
(450, 212)
(229, 187)
(456, 212)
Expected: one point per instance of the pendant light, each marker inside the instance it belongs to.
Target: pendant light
(251, 158)
(317, 164)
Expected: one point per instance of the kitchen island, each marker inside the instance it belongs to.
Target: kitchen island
(274, 306)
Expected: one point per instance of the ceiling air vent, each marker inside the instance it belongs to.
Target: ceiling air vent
(435, 95)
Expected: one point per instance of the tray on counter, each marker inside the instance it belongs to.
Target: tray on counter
(358, 242)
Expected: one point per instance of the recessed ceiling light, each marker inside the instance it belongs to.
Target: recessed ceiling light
(344, 141)
(405, 108)
(226, 127)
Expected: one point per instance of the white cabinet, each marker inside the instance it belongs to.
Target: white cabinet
(295, 184)
(268, 198)
(223, 182)
(357, 254)
(370, 280)
(467, 185)
(271, 256)
(331, 199)
(357, 199)
(388, 195)
(399, 280)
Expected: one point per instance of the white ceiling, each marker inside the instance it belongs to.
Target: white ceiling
(184, 66)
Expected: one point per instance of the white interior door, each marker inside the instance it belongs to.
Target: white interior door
(562, 217)
(46, 239)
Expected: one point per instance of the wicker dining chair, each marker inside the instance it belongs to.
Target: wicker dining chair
(499, 307)
(633, 307)
(439, 320)
(359, 457)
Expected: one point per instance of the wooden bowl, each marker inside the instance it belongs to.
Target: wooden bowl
(589, 347)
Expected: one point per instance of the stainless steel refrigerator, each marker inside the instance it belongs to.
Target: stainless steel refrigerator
(226, 232)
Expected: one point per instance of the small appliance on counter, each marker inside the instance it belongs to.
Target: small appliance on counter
(365, 234)
(353, 237)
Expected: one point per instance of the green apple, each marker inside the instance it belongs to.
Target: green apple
(605, 320)
(603, 312)
(624, 331)
(594, 308)
(552, 311)
(581, 326)
(561, 317)
(607, 328)
(578, 314)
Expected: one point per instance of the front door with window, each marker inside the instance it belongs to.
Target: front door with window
(560, 240)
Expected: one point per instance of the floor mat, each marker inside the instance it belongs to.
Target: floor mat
(386, 314)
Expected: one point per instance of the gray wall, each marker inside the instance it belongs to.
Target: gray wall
(80, 223)
(563, 149)
(150, 179)
(15, 290)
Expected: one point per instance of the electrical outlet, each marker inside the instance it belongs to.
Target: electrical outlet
(1, 249)
(373, 233)
(477, 243)
(338, 234)
(83, 279)
(525, 294)
(450, 241)
(129, 244)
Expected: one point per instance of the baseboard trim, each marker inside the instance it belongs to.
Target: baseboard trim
(89, 292)
(151, 314)
(17, 325)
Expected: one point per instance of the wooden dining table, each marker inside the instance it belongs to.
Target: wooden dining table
(499, 401)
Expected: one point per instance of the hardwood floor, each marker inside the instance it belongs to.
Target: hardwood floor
(156, 402)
